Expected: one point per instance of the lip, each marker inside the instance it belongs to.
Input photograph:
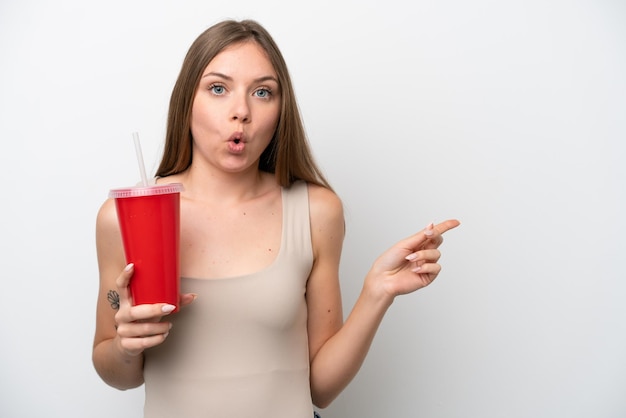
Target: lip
(237, 137)
(237, 143)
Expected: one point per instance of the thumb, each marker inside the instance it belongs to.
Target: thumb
(122, 282)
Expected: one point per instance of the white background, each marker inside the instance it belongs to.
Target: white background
(508, 115)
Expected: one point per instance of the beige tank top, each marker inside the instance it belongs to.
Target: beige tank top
(241, 349)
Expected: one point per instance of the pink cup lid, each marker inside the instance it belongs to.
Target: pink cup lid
(146, 191)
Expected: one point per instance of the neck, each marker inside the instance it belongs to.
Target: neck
(230, 187)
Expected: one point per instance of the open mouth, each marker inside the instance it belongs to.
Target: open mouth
(237, 143)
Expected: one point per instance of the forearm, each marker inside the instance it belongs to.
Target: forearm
(341, 357)
(116, 368)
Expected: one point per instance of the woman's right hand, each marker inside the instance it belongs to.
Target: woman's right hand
(140, 327)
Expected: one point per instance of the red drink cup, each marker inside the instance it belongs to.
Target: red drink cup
(149, 219)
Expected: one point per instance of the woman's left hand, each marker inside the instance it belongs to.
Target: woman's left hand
(412, 263)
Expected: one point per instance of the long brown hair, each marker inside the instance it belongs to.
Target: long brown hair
(288, 155)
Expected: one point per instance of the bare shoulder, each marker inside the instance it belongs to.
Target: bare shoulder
(325, 205)
(108, 237)
(327, 223)
(107, 216)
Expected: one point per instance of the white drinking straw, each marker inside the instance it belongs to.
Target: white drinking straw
(142, 167)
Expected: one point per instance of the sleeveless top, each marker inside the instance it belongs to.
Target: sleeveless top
(241, 348)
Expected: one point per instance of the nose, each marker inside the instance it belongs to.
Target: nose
(241, 110)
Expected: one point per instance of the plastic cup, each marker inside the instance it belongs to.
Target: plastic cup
(149, 220)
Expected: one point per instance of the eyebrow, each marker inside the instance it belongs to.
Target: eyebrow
(229, 78)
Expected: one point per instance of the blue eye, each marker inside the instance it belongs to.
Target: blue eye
(217, 89)
(263, 93)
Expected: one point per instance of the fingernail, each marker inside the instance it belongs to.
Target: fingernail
(429, 230)
(129, 267)
(416, 269)
(168, 308)
(411, 257)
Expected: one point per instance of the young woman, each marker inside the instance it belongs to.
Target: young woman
(261, 239)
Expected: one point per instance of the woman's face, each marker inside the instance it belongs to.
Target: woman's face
(236, 108)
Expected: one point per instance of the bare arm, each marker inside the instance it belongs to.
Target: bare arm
(122, 331)
(338, 351)
(325, 314)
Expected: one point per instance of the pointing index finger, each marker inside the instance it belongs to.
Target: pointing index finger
(429, 236)
(435, 237)
(445, 226)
